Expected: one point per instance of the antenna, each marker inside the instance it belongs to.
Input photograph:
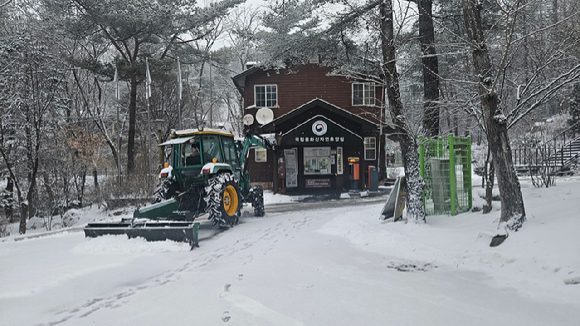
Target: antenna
(264, 116)
(248, 119)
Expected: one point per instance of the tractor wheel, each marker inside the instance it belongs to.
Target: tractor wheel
(258, 201)
(165, 190)
(223, 200)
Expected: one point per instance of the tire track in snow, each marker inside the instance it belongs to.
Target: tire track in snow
(282, 229)
(285, 229)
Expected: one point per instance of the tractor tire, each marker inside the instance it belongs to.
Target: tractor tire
(258, 201)
(224, 201)
(165, 189)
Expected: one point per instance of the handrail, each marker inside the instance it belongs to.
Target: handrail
(558, 135)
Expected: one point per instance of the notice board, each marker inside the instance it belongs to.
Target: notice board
(291, 168)
(396, 202)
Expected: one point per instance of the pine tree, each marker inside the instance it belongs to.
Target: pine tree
(289, 35)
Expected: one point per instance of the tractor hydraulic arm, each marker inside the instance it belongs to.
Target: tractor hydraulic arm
(250, 141)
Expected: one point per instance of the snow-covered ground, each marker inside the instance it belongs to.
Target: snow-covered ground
(326, 266)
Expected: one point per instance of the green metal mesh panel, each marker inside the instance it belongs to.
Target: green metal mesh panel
(463, 186)
(446, 169)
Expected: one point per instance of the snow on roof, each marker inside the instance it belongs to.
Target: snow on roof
(352, 115)
(196, 131)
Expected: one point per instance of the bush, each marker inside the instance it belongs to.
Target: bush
(4, 229)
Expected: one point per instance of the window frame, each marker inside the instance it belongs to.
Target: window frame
(318, 157)
(368, 94)
(259, 149)
(211, 142)
(366, 144)
(265, 97)
(230, 154)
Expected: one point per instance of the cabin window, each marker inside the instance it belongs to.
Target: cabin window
(260, 155)
(317, 160)
(370, 148)
(363, 94)
(266, 95)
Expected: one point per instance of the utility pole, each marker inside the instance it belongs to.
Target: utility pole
(148, 133)
(179, 92)
(119, 128)
(210, 95)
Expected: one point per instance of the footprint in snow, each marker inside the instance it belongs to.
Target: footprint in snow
(572, 281)
(226, 290)
(226, 316)
(408, 267)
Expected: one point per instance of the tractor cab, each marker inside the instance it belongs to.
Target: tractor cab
(193, 149)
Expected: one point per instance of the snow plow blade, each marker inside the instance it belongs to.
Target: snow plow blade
(149, 230)
(157, 210)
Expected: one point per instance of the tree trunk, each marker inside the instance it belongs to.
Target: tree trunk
(414, 183)
(30, 197)
(512, 203)
(132, 125)
(80, 187)
(488, 176)
(23, 216)
(33, 152)
(555, 19)
(95, 179)
(430, 69)
(9, 209)
(51, 200)
(21, 201)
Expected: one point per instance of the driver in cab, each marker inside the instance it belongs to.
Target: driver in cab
(194, 158)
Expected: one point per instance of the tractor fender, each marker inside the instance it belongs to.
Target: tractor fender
(215, 168)
(165, 172)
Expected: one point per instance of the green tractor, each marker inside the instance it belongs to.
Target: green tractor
(206, 173)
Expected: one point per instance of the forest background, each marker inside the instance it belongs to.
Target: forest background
(74, 102)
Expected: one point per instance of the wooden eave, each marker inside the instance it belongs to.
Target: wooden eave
(240, 79)
(271, 126)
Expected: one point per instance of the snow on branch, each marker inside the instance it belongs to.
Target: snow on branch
(542, 94)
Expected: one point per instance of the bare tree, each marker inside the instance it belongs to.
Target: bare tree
(430, 66)
(494, 121)
(29, 93)
(407, 140)
(241, 38)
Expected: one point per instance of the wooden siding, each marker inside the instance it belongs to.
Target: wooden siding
(261, 171)
(307, 83)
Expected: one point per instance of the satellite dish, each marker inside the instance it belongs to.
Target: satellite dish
(248, 119)
(264, 116)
